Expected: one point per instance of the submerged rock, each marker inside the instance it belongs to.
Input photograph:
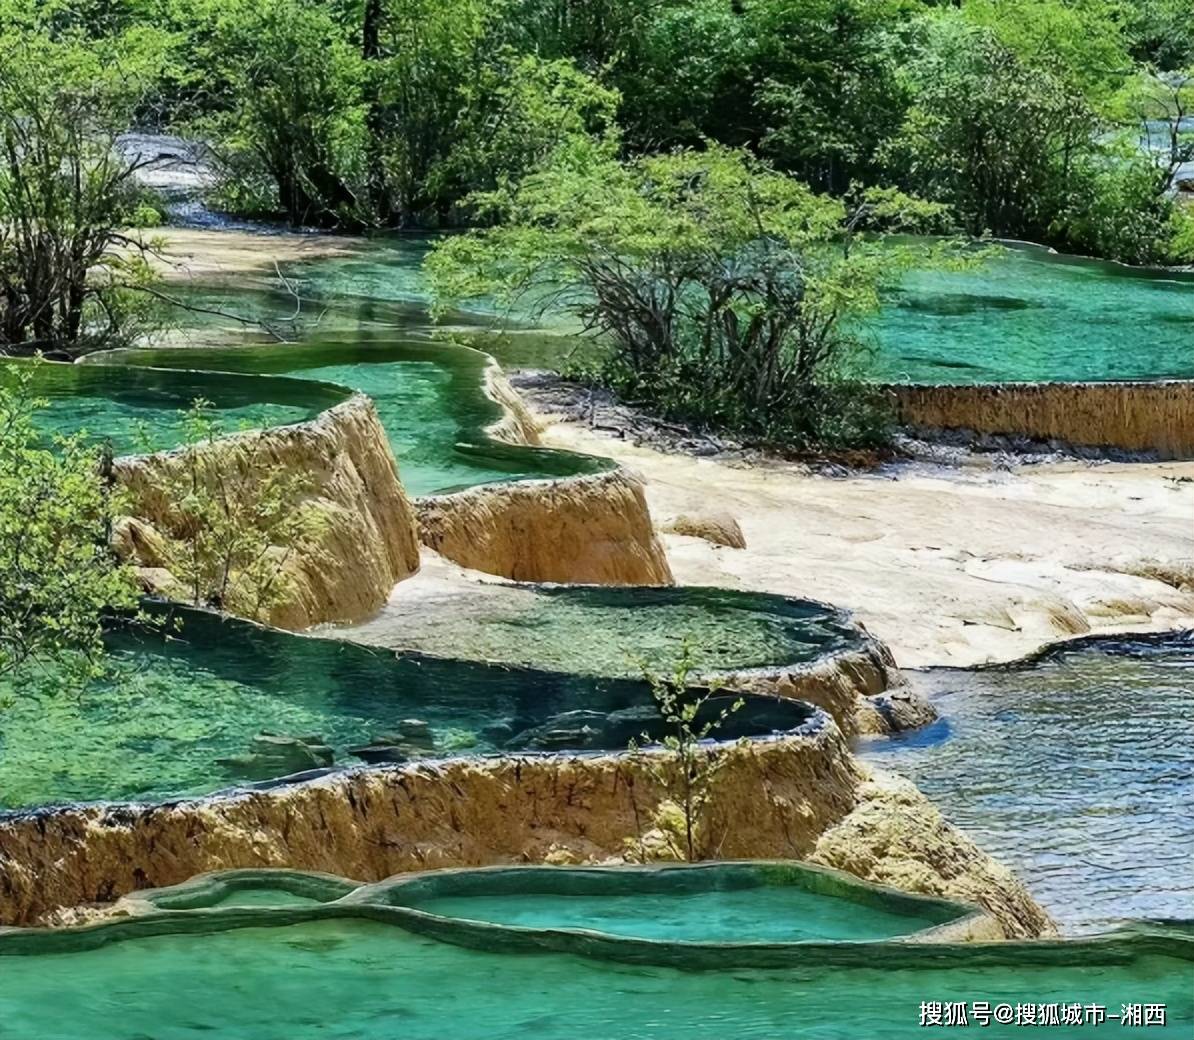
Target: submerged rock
(457, 739)
(272, 755)
(571, 730)
(497, 732)
(379, 753)
(413, 738)
(627, 724)
(416, 731)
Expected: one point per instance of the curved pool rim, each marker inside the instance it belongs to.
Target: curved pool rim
(479, 413)
(143, 915)
(766, 717)
(67, 380)
(810, 721)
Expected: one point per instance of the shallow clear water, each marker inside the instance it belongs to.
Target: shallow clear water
(357, 980)
(140, 409)
(158, 725)
(428, 395)
(1028, 314)
(267, 897)
(770, 913)
(1025, 314)
(604, 631)
(1075, 772)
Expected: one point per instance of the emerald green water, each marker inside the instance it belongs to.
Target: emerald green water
(609, 631)
(769, 913)
(1025, 314)
(173, 707)
(429, 398)
(1029, 315)
(135, 409)
(362, 980)
(267, 897)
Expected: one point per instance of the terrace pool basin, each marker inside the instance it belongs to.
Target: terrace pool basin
(135, 409)
(362, 968)
(429, 395)
(711, 903)
(613, 631)
(219, 703)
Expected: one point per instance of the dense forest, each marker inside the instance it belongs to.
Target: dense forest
(1024, 117)
(714, 187)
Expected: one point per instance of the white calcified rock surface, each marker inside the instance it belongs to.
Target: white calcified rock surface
(945, 566)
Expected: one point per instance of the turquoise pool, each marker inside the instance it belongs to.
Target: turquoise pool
(1032, 315)
(1027, 314)
(134, 409)
(429, 397)
(183, 713)
(348, 979)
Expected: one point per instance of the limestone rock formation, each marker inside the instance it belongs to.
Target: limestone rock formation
(897, 837)
(1154, 417)
(716, 526)
(801, 796)
(517, 425)
(369, 541)
(860, 688)
(592, 529)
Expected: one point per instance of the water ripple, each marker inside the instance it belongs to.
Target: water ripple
(1076, 772)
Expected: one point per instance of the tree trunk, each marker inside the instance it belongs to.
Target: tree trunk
(379, 193)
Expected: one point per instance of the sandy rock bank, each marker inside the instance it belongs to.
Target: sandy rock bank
(950, 566)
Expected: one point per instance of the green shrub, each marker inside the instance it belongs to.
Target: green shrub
(726, 293)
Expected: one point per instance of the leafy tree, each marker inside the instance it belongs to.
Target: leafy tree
(429, 60)
(1161, 33)
(594, 33)
(827, 84)
(69, 277)
(534, 110)
(381, 114)
(724, 290)
(811, 84)
(1017, 150)
(1119, 208)
(235, 527)
(687, 76)
(58, 577)
(686, 774)
(294, 136)
(988, 134)
(456, 109)
(1085, 43)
